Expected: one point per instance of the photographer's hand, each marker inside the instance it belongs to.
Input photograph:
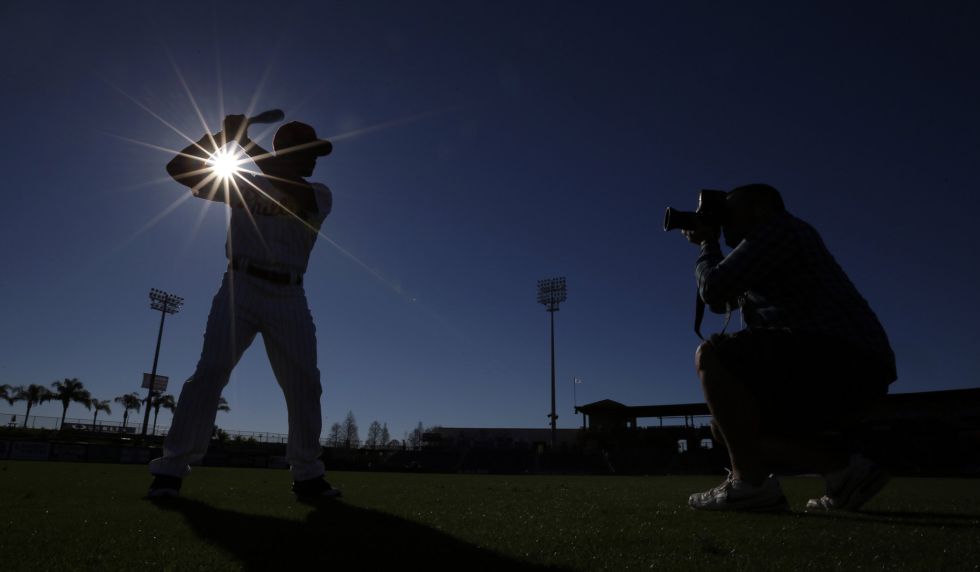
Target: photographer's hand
(701, 234)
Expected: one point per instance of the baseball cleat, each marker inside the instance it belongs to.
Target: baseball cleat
(317, 487)
(164, 486)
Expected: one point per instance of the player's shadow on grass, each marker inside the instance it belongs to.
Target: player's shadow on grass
(336, 536)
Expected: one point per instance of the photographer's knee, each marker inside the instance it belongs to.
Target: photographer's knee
(703, 354)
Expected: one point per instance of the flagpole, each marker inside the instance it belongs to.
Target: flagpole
(575, 382)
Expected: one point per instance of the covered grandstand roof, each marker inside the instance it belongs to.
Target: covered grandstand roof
(923, 404)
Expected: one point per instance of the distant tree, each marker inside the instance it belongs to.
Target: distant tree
(33, 394)
(348, 431)
(70, 390)
(7, 394)
(218, 433)
(415, 437)
(373, 440)
(385, 436)
(167, 402)
(333, 438)
(435, 429)
(129, 401)
(394, 444)
(100, 406)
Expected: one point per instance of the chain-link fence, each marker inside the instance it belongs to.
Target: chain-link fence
(132, 427)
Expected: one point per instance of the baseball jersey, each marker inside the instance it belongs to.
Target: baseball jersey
(277, 241)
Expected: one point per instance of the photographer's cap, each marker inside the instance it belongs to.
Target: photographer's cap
(300, 137)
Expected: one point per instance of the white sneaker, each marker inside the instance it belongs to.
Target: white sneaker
(736, 494)
(851, 487)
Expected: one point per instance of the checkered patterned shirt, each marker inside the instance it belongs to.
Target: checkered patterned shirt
(783, 277)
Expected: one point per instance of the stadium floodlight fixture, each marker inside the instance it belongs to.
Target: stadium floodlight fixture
(165, 303)
(551, 293)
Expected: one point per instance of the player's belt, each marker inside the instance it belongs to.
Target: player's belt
(271, 276)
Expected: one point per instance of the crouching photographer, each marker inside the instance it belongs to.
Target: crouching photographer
(810, 362)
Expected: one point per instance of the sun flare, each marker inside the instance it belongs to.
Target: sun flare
(224, 163)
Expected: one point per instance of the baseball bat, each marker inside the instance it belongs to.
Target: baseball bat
(270, 116)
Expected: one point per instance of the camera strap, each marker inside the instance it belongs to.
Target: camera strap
(699, 315)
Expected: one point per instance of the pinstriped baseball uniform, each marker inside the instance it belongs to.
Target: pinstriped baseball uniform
(267, 253)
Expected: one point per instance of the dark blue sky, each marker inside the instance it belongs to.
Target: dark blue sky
(480, 146)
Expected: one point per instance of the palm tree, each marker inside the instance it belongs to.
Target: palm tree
(129, 401)
(217, 433)
(7, 394)
(70, 390)
(98, 405)
(165, 401)
(33, 394)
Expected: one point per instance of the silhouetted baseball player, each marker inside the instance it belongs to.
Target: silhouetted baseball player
(274, 222)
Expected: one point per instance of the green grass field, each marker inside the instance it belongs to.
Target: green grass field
(91, 516)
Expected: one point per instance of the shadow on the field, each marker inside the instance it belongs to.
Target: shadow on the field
(336, 536)
(908, 518)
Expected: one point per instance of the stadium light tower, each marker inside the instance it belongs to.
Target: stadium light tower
(551, 293)
(167, 304)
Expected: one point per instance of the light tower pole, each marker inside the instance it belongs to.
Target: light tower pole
(167, 304)
(551, 293)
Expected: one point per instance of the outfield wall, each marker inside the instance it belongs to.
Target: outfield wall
(466, 461)
(262, 456)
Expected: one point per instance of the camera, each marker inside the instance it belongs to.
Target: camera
(712, 211)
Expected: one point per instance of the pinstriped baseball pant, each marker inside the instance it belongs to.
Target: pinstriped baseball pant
(244, 306)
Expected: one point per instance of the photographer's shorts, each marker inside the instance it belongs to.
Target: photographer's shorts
(803, 383)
